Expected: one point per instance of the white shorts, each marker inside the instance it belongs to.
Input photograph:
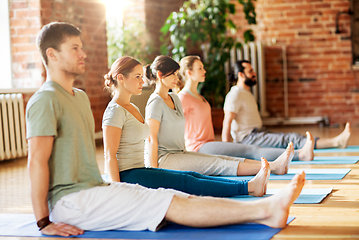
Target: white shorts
(119, 206)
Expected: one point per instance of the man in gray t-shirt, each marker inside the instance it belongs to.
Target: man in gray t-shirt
(64, 174)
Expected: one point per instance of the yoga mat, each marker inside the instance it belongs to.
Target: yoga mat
(24, 225)
(329, 150)
(310, 174)
(329, 160)
(307, 196)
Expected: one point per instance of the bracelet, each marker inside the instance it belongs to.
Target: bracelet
(44, 222)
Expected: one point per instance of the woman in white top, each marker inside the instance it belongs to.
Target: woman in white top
(165, 147)
(124, 132)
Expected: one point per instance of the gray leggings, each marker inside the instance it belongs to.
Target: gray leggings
(241, 150)
(199, 162)
(265, 138)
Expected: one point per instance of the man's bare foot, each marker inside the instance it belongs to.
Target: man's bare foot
(277, 206)
(281, 164)
(258, 185)
(344, 136)
(306, 152)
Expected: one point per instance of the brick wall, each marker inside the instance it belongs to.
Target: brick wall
(28, 16)
(321, 81)
(24, 25)
(154, 13)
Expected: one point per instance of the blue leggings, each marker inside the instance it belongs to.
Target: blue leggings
(185, 181)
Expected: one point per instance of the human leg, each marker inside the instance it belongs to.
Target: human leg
(119, 206)
(222, 165)
(265, 138)
(340, 141)
(257, 186)
(306, 152)
(209, 212)
(185, 181)
(279, 166)
(202, 163)
(235, 149)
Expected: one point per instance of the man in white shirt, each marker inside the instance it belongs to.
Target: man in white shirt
(242, 122)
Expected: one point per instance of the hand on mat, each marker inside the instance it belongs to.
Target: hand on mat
(61, 229)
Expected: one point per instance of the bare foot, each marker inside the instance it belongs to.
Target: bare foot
(277, 206)
(281, 164)
(344, 136)
(258, 185)
(306, 152)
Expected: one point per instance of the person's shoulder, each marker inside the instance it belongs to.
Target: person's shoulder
(46, 93)
(154, 99)
(115, 108)
(174, 96)
(80, 93)
(183, 95)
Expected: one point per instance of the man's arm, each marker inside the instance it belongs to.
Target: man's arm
(226, 130)
(40, 149)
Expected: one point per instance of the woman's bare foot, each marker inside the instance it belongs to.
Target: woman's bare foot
(258, 185)
(281, 164)
(344, 136)
(277, 206)
(306, 152)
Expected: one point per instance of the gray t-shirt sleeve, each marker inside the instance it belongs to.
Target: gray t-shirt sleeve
(114, 116)
(41, 115)
(154, 109)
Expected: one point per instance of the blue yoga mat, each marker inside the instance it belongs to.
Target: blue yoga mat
(24, 225)
(329, 160)
(310, 174)
(329, 150)
(307, 196)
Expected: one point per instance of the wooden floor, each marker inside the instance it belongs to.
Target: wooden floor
(337, 217)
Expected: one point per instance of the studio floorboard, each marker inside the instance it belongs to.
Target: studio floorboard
(337, 217)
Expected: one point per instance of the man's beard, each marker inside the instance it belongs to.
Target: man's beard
(250, 82)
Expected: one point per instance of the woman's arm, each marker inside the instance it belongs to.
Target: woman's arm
(153, 142)
(111, 141)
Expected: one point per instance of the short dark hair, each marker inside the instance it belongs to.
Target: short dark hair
(52, 35)
(238, 66)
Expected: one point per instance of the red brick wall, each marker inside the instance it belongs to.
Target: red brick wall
(24, 25)
(321, 81)
(28, 16)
